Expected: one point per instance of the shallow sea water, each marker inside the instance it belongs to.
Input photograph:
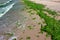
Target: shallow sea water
(8, 20)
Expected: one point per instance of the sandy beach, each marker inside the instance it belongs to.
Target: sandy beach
(8, 22)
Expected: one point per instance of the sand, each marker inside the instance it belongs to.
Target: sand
(22, 32)
(50, 4)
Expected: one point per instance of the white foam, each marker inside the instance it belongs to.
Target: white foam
(6, 9)
(13, 37)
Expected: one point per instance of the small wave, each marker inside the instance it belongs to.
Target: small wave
(6, 9)
(5, 4)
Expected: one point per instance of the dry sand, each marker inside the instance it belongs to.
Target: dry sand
(50, 4)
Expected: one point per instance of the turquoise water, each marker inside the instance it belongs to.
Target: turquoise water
(6, 6)
(11, 13)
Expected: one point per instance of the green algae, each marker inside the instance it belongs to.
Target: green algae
(30, 27)
(53, 26)
(28, 38)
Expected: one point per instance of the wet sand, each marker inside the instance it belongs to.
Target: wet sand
(34, 32)
(24, 32)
